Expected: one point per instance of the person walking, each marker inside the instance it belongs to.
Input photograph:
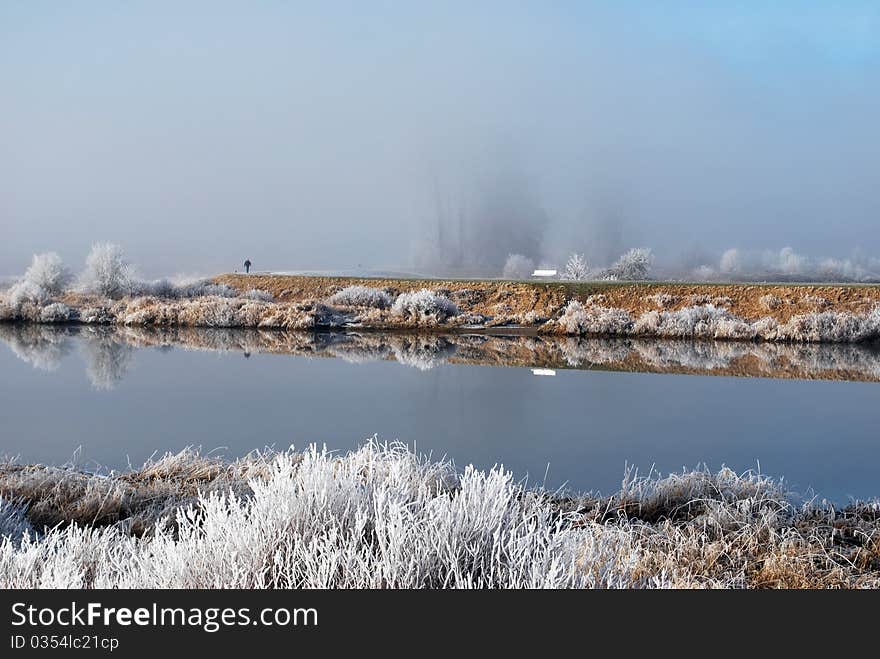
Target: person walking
(247, 265)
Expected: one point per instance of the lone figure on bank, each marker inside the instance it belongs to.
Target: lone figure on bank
(247, 265)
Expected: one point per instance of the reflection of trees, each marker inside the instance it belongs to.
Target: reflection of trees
(108, 358)
(38, 345)
(423, 352)
(108, 351)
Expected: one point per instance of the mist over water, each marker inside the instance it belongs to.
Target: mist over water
(442, 138)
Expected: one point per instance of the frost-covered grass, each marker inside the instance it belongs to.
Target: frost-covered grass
(424, 304)
(361, 296)
(190, 288)
(383, 517)
(707, 321)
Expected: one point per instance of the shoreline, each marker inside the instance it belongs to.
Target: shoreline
(383, 516)
(775, 313)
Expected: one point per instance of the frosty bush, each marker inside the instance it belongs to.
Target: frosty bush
(48, 272)
(57, 313)
(518, 266)
(424, 304)
(361, 296)
(45, 277)
(705, 322)
(25, 292)
(575, 269)
(107, 272)
(593, 319)
(634, 265)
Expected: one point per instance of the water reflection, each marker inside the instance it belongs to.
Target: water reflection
(108, 351)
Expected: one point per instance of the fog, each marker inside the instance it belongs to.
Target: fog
(442, 137)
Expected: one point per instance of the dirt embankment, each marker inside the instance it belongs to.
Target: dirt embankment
(488, 298)
(511, 301)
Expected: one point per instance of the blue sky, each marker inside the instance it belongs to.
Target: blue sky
(322, 134)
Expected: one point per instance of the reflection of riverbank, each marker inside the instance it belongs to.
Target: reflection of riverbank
(108, 351)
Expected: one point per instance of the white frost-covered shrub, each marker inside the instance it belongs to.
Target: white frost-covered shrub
(576, 268)
(831, 327)
(634, 265)
(57, 313)
(593, 319)
(361, 296)
(705, 321)
(424, 304)
(518, 266)
(48, 272)
(25, 292)
(107, 272)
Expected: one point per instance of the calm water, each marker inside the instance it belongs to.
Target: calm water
(108, 398)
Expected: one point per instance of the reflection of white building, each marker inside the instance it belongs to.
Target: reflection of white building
(543, 371)
(544, 273)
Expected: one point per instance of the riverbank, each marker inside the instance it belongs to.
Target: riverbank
(380, 516)
(746, 312)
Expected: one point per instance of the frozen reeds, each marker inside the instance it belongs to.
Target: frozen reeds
(383, 517)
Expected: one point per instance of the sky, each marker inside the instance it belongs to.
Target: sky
(334, 135)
